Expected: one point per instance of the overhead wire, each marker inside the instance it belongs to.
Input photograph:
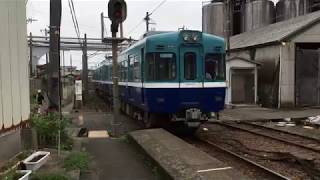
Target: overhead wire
(135, 27)
(156, 8)
(74, 12)
(74, 20)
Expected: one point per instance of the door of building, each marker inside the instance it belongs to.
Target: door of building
(307, 77)
(242, 86)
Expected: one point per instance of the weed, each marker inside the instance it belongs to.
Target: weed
(12, 175)
(51, 176)
(48, 126)
(77, 161)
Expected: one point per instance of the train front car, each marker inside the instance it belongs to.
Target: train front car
(184, 77)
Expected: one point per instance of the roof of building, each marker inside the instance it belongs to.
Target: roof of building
(243, 59)
(274, 32)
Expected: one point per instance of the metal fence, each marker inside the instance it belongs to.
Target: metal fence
(14, 82)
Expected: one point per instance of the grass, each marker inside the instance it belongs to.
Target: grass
(49, 176)
(77, 161)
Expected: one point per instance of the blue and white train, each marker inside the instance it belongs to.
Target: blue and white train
(170, 76)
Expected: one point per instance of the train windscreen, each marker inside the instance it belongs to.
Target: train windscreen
(214, 67)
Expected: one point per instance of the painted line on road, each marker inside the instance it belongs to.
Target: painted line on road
(214, 169)
(98, 134)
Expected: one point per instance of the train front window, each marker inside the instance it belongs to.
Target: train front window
(160, 66)
(214, 67)
(190, 66)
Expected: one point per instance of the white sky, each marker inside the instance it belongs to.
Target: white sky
(172, 15)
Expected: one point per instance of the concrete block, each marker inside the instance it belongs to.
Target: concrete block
(179, 159)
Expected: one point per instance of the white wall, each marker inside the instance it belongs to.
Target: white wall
(14, 80)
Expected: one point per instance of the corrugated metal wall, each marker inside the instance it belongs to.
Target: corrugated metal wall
(14, 81)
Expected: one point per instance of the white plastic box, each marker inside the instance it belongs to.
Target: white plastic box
(33, 166)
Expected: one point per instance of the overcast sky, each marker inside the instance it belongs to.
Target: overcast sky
(173, 14)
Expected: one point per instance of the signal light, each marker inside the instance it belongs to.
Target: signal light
(117, 12)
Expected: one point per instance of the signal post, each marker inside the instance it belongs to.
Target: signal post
(117, 12)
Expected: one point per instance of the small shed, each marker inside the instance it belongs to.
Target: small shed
(242, 78)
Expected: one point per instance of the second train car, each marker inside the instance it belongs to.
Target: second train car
(172, 76)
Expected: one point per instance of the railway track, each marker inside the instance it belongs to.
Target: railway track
(272, 173)
(285, 137)
(266, 172)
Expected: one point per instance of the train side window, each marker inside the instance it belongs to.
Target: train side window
(125, 70)
(136, 69)
(160, 66)
(190, 66)
(150, 66)
(214, 67)
(130, 69)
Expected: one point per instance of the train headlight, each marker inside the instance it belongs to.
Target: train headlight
(186, 37)
(191, 36)
(195, 37)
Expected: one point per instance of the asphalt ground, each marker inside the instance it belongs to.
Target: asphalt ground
(111, 158)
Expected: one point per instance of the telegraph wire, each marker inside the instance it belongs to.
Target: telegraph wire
(135, 27)
(74, 12)
(74, 20)
(156, 8)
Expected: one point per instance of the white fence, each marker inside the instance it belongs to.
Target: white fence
(14, 82)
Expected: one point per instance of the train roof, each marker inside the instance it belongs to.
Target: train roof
(175, 36)
(171, 37)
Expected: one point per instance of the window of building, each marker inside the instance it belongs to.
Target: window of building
(160, 66)
(190, 66)
(215, 67)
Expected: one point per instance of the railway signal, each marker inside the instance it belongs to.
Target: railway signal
(117, 12)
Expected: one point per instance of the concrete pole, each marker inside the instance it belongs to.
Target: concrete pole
(121, 30)
(147, 19)
(54, 54)
(102, 25)
(228, 28)
(85, 70)
(115, 78)
(30, 53)
(46, 31)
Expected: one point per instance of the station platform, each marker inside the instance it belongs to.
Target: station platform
(179, 159)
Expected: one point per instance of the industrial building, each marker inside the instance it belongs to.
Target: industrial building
(274, 58)
(14, 79)
(288, 53)
(246, 15)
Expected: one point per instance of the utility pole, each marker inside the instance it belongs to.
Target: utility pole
(54, 91)
(228, 28)
(46, 32)
(121, 30)
(71, 63)
(54, 54)
(102, 25)
(84, 69)
(30, 61)
(147, 19)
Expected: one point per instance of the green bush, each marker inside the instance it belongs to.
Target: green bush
(48, 126)
(11, 175)
(76, 161)
(52, 176)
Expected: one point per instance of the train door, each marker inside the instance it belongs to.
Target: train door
(190, 67)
